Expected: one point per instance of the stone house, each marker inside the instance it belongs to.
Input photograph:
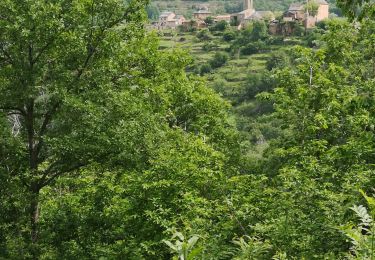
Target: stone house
(323, 10)
(297, 12)
(239, 18)
(169, 20)
(250, 14)
(202, 14)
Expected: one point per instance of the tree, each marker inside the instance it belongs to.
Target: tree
(259, 31)
(87, 96)
(153, 12)
(357, 8)
(326, 152)
(62, 65)
(312, 8)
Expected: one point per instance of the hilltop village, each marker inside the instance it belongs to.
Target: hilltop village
(307, 14)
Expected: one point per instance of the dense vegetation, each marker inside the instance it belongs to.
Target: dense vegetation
(117, 145)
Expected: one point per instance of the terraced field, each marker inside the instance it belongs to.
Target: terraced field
(233, 74)
(234, 82)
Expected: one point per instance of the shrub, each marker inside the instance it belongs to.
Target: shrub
(219, 59)
(229, 35)
(219, 26)
(205, 68)
(209, 46)
(204, 35)
(253, 47)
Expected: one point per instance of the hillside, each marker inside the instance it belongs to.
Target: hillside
(244, 73)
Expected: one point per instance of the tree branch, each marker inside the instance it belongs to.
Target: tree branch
(43, 49)
(43, 128)
(20, 110)
(46, 181)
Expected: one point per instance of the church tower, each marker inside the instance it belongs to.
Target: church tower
(248, 4)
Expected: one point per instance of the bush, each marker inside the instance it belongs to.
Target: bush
(253, 48)
(219, 59)
(209, 46)
(219, 26)
(205, 68)
(229, 35)
(219, 85)
(204, 35)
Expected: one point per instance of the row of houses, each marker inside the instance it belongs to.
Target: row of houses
(297, 12)
(170, 20)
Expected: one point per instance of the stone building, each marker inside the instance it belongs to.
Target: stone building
(250, 14)
(323, 10)
(239, 18)
(169, 20)
(202, 14)
(297, 12)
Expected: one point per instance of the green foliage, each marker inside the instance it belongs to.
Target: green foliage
(209, 46)
(91, 114)
(107, 144)
(324, 156)
(312, 8)
(278, 60)
(357, 8)
(209, 20)
(219, 26)
(252, 39)
(229, 35)
(252, 248)
(253, 48)
(205, 68)
(184, 249)
(363, 235)
(153, 12)
(204, 35)
(219, 59)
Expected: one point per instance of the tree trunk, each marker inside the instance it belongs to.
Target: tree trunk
(34, 214)
(34, 218)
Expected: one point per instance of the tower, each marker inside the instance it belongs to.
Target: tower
(248, 4)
